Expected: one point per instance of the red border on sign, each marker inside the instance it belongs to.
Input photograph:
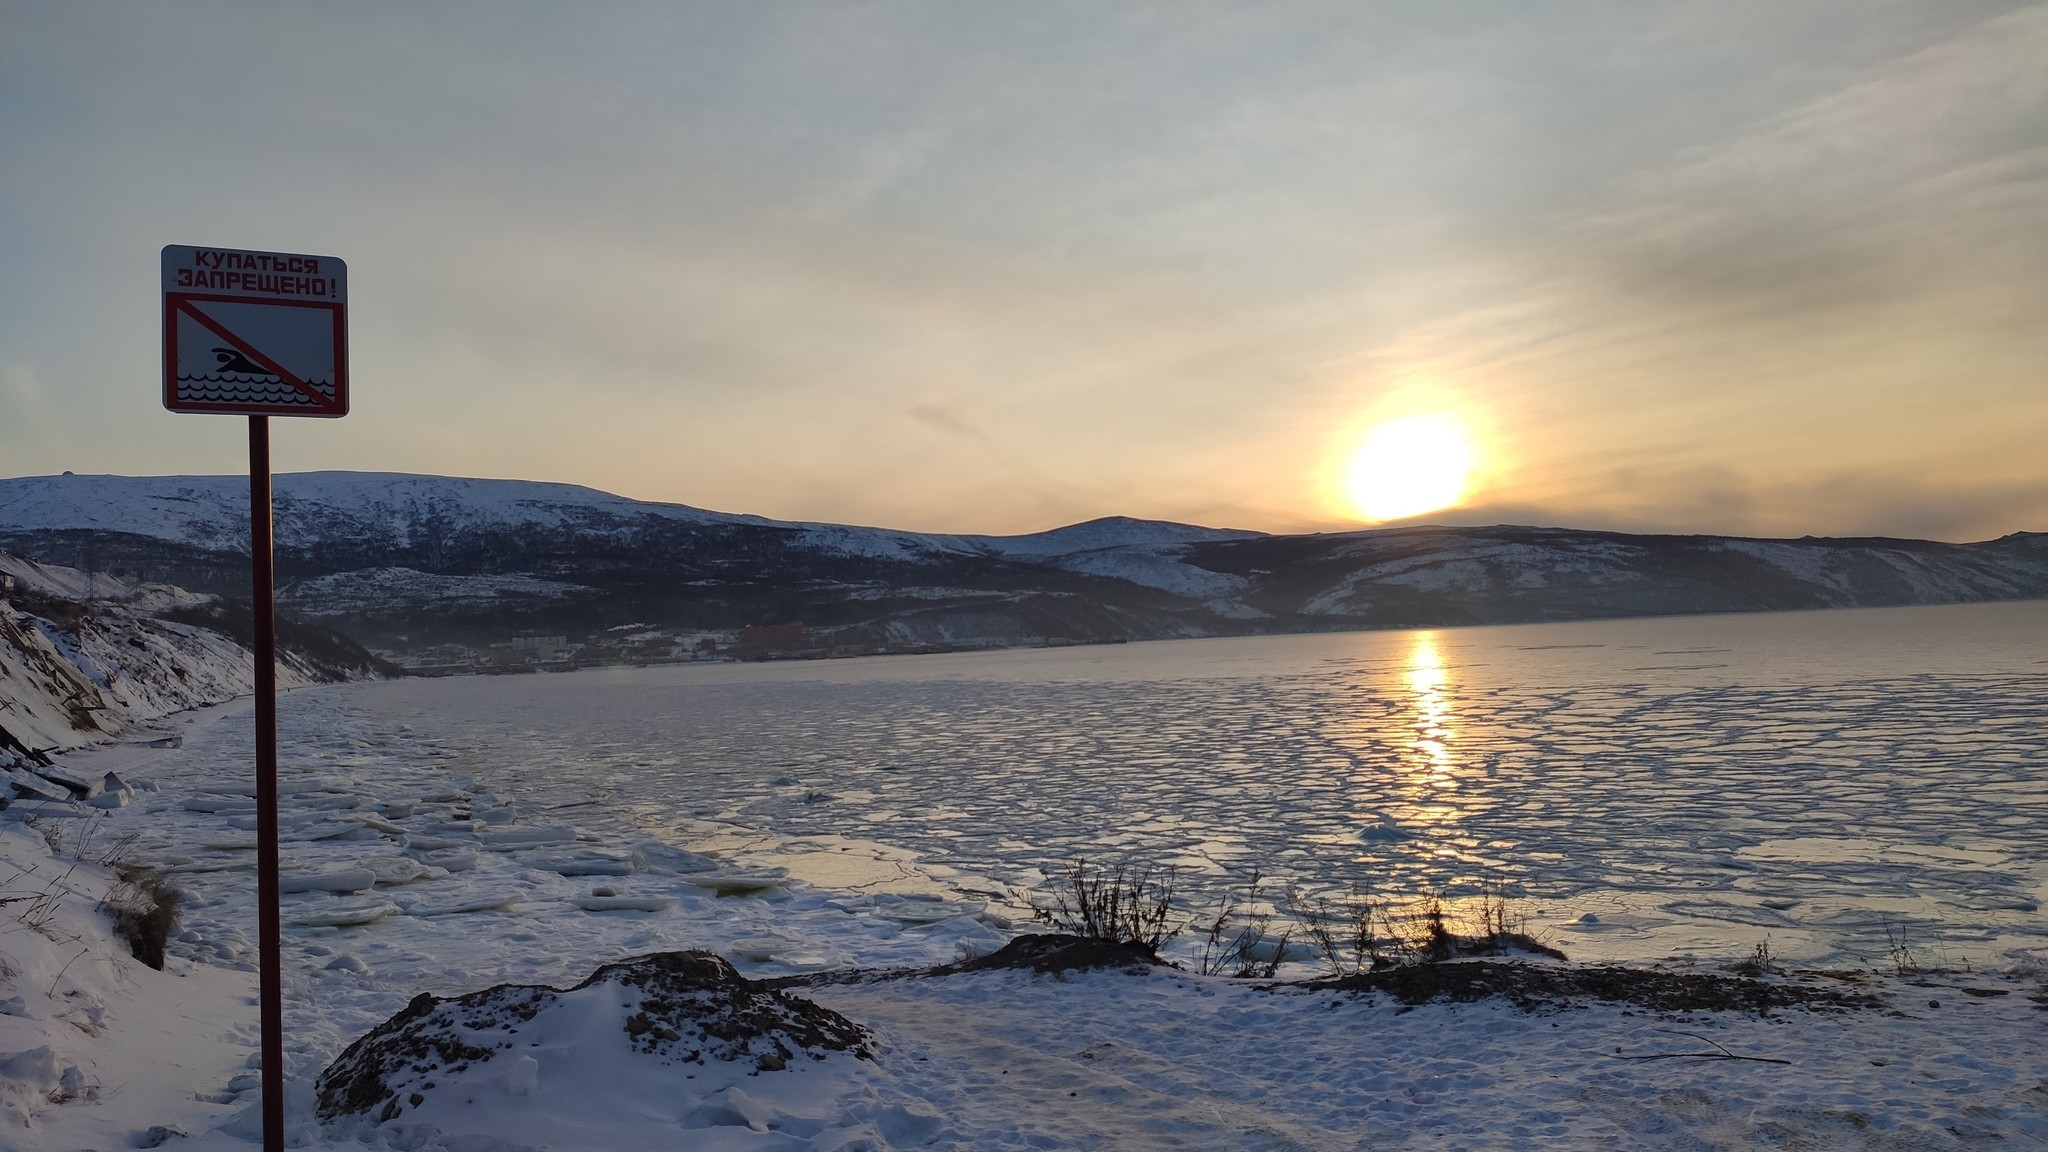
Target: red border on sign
(176, 302)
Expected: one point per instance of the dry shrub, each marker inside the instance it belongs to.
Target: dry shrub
(1240, 940)
(1115, 905)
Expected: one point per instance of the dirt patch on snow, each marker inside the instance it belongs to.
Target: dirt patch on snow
(1534, 986)
(1058, 952)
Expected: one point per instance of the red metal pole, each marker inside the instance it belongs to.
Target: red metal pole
(262, 588)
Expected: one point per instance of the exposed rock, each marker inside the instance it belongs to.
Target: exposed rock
(674, 1007)
(156, 1135)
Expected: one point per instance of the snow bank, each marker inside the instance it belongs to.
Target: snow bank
(96, 1048)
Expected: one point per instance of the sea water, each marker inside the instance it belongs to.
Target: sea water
(1838, 785)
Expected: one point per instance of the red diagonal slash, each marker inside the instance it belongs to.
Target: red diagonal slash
(255, 357)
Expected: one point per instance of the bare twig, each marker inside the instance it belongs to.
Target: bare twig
(1722, 1054)
(1705, 1056)
(67, 968)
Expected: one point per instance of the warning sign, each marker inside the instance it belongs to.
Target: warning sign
(255, 333)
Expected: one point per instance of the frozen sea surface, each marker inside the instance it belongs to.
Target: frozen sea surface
(1648, 788)
(1833, 782)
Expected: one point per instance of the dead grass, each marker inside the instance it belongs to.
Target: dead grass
(1247, 936)
(1118, 905)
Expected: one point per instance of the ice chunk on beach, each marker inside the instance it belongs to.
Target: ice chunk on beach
(623, 903)
(485, 903)
(81, 785)
(524, 1077)
(351, 917)
(452, 859)
(32, 787)
(656, 856)
(200, 866)
(395, 870)
(110, 800)
(511, 839)
(331, 830)
(324, 803)
(35, 1069)
(1269, 949)
(1383, 832)
(916, 908)
(738, 883)
(346, 880)
(415, 841)
(372, 820)
(591, 863)
(232, 805)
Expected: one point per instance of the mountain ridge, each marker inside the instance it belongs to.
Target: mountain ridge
(406, 563)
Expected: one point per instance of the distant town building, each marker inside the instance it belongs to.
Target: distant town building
(541, 649)
(764, 641)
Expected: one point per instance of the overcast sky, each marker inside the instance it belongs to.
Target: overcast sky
(1771, 267)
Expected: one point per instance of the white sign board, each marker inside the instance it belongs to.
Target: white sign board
(255, 333)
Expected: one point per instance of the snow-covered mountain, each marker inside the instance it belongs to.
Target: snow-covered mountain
(404, 562)
(400, 510)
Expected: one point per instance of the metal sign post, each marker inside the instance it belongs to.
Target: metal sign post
(259, 334)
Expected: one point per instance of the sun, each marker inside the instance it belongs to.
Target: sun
(1409, 466)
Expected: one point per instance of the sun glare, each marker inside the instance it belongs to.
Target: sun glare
(1408, 467)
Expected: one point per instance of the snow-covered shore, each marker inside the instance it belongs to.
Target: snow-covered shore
(466, 890)
(88, 657)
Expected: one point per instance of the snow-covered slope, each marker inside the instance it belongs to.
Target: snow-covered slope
(56, 582)
(88, 657)
(1496, 573)
(97, 1049)
(1107, 533)
(213, 511)
(102, 673)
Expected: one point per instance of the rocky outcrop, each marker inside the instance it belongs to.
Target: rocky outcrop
(675, 1008)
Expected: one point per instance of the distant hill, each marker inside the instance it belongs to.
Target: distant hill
(408, 563)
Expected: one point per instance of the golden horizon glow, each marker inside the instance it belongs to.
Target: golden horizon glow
(1409, 466)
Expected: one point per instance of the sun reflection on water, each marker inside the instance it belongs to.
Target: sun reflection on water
(1432, 720)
